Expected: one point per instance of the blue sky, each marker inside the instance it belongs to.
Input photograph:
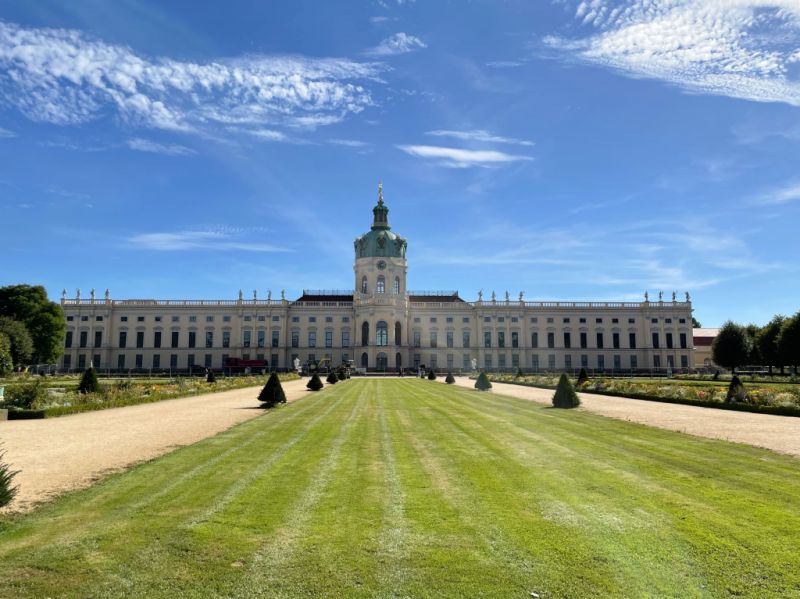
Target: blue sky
(574, 150)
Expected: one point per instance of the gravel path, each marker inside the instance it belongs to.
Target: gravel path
(779, 433)
(70, 452)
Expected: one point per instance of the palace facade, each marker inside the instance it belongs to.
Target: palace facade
(381, 326)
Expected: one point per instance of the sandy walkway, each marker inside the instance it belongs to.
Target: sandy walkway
(779, 433)
(60, 454)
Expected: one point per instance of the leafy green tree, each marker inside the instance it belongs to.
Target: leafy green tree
(210, 376)
(315, 384)
(89, 382)
(789, 341)
(736, 391)
(7, 489)
(272, 394)
(431, 375)
(19, 339)
(332, 378)
(767, 341)
(519, 373)
(582, 377)
(753, 353)
(44, 319)
(340, 374)
(565, 396)
(696, 323)
(6, 362)
(449, 379)
(483, 383)
(729, 348)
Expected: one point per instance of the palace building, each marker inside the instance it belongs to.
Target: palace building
(381, 326)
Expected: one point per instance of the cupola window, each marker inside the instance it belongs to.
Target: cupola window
(396, 286)
(381, 286)
(364, 284)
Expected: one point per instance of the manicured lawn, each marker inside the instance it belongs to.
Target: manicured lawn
(410, 488)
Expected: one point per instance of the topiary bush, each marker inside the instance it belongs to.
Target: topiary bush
(332, 378)
(483, 384)
(341, 375)
(89, 382)
(211, 377)
(315, 384)
(583, 378)
(519, 373)
(449, 379)
(565, 396)
(431, 375)
(736, 391)
(7, 489)
(272, 394)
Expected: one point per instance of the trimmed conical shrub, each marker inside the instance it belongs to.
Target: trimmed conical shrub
(210, 377)
(519, 373)
(272, 394)
(89, 382)
(332, 378)
(565, 396)
(315, 384)
(7, 489)
(483, 384)
(736, 391)
(582, 377)
(431, 375)
(341, 375)
(450, 379)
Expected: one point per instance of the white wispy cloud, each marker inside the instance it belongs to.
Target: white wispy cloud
(351, 143)
(460, 158)
(479, 135)
(504, 64)
(781, 195)
(199, 240)
(399, 43)
(146, 145)
(739, 48)
(65, 77)
(5, 133)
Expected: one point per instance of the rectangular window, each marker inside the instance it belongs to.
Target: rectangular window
(190, 360)
(157, 319)
(466, 362)
(278, 319)
(566, 320)
(501, 361)
(655, 341)
(535, 362)
(683, 340)
(416, 360)
(273, 361)
(312, 339)
(121, 362)
(156, 360)
(534, 340)
(417, 336)
(551, 361)
(96, 360)
(193, 319)
(226, 339)
(82, 360)
(261, 338)
(514, 339)
(207, 361)
(123, 339)
(139, 360)
(465, 339)
(501, 319)
(615, 340)
(584, 361)
(226, 319)
(501, 339)
(67, 362)
(139, 319)
(176, 319)
(449, 338)
(192, 338)
(631, 321)
(487, 361)
(433, 319)
(567, 362)
(551, 340)
(601, 362)
(83, 339)
(247, 338)
(209, 338)
(175, 335)
(449, 361)
(515, 360)
(139, 339)
(295, 338)
(173, 360)
(68, 339)
(684, 361)
(487, 339)
(656, 361)
(276, 337)
(632, 340)
(567, 340)
(584, 342)
(345, 319)
(312, 319)
(70, 318)
(600, 340)
(465, 320)
(634, 363)
(123, 319)
(434, 340)
(449, 319)
(487, 319)
(669, 340)
(312, 357)
(157, 339)
(346, 338)
(617, 362)
(328, 338)
(262, 319)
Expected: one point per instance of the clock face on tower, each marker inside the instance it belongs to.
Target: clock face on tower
(381, 265)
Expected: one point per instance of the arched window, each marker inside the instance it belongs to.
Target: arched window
(398, 361)
(365, 333)
(381, 286)
(398, 333)
(396, 286)
(364, 360)
(364, 284)
(382, 333)
(382, 363)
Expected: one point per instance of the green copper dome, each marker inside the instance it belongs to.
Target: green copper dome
(380, 241)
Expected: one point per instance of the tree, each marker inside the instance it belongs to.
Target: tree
(272, 394)
(7, 489)
(729, 348)
(431, 375)
(44, 319)
(449, 379)
(751, 334)
(582, 377)
(210, 376)
(341, 375)
(483, 383)
(789, 342)
(736, 391)
(696, 323)
(6, 362)
(19, 339)
(315, 384)
(332, 378)
(767, 341)
(565, 396)
(89, 382)
(519, 373)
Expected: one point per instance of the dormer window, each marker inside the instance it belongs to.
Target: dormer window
(381, 286)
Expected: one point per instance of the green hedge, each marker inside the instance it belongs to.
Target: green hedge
(26, 414)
